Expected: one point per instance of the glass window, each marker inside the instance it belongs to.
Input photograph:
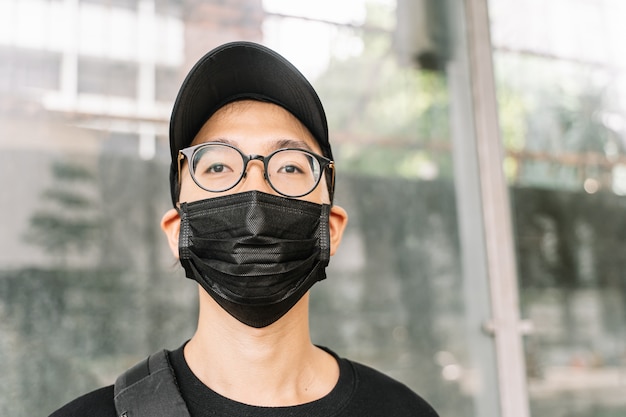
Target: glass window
(106, 77)
(22, 69)
(128, 4)
(167, 80)
(88, 285)
(169, 7)
(562, 109)
(396, 295)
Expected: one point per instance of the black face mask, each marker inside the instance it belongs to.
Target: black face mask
(256, 254)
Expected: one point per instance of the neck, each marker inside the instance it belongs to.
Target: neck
(272, 366)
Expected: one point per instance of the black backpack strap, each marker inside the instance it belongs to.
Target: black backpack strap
(149, 389)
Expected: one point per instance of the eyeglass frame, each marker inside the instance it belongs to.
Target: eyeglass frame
(189, 152)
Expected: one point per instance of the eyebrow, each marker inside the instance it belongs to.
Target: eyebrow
(293, 143)
(222, 140)
(278, 144)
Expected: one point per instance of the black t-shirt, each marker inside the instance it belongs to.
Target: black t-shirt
(360, 391)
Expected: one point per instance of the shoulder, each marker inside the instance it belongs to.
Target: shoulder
(98, 403)
(392, 397)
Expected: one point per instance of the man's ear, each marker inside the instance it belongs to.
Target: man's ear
(337, 222)
(170, 224)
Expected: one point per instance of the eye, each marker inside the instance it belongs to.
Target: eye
(290, 169)
(218, 168)
(205, 167)
(213, 160)
(291, 162)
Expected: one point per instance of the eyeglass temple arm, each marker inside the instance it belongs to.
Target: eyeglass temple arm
(331, 167)
(180, 158)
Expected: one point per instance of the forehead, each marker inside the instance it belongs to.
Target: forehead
(255, 123)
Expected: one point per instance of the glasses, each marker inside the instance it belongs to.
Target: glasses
(218, 167)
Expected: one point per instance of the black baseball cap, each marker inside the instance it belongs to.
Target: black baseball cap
(238, 71)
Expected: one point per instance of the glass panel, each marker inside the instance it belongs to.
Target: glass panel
(562, 93)
(87, 283)
(100, 76)
(24, 68)
(130, 4)
(169, 7)
(167, 81)
(397, 296)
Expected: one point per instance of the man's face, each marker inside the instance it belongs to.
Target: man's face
(255, 128)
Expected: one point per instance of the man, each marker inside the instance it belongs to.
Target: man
(252, 182)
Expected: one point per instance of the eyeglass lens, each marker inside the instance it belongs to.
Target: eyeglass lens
(217, 167)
